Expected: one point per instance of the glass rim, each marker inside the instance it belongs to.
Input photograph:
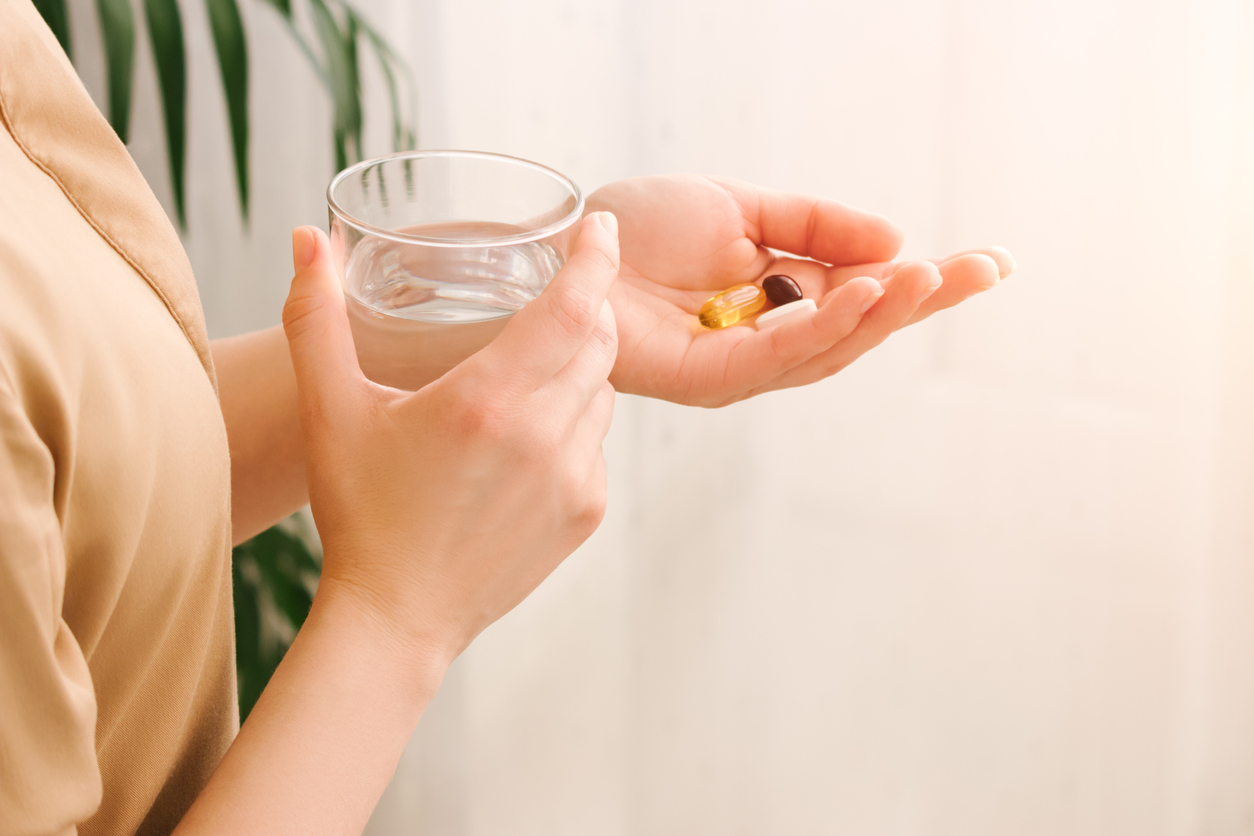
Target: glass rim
(494, 241)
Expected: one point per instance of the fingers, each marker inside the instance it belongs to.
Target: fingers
(814, 227)
(316, 324)
(764, 355)
(585, 445)
(904, 292)
(964, 274)
(592, 497)
(585, 375)
(962, 278)
(594, 424)
(1001, 256)
(543, 337)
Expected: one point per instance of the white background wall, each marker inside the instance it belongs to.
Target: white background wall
(996, 578)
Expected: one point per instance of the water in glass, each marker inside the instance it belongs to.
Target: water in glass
(416, 311)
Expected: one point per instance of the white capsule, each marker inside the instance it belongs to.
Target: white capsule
(784, 313)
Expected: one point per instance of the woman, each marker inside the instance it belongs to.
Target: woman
(133, 454)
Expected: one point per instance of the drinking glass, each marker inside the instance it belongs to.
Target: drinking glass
(438, 249)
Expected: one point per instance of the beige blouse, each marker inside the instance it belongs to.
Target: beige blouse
(117, 679)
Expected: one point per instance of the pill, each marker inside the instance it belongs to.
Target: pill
(781, 289)
(780, 315)
(731, 306)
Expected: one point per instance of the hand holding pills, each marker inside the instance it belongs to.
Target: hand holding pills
(781, 289)
(731, 306)
(739, 303)
(689, 240)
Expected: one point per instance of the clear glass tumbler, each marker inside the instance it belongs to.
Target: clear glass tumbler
(438, 249)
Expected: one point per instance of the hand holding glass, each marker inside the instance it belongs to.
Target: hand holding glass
(438, 249)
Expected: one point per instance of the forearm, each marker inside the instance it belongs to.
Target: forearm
(426, 503)
(257, 389)
(321, 744)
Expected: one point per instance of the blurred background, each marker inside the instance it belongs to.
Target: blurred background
(995, 578)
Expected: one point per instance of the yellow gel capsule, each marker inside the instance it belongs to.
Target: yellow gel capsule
(731, 306)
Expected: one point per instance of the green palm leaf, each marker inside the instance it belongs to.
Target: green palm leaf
(274, 577)
(117, 29)
(403, 134)
(282, 558)
(252, 669)
(165, 30)
(337, 69)
(340, 53)
(354, 80)
(228, 38)
(58, 19)
(284, 6)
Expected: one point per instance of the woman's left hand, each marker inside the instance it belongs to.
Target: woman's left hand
(684, 238)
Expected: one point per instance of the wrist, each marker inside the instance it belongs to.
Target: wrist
(419, 657)
(323, 740)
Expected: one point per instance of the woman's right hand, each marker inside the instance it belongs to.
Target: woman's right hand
(441, 509)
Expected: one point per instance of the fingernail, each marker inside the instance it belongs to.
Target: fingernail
(608, 222)
(1000, 255)
(872, 296)
(1003, 259)
(304, 245)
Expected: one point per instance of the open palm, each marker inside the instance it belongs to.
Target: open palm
(684, 238)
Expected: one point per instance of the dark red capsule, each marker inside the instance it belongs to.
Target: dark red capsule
(781, 289)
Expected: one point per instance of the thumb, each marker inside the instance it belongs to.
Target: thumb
(316, 324)
(542, 337)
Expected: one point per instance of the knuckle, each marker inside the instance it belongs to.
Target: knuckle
(601, 260)
(834, 367)
(988, 276)
(585, 488)
(574, 311)
(592, 509)
(978, 287)
(509, 426)
(604, 337)
(789, 351)
(478, 417)
(300, 312)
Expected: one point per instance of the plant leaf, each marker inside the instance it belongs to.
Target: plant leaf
(247, 632)
(404, 135)
(354, 81)
(279, 556)
(117, 29)
(165, 30)
(58, 19)
(228, 39)
(284, 7)
(274, 576)
(341, 77)
(338, 70)
(383, 55)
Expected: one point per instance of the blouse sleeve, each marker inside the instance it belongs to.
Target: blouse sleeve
(49, 776)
